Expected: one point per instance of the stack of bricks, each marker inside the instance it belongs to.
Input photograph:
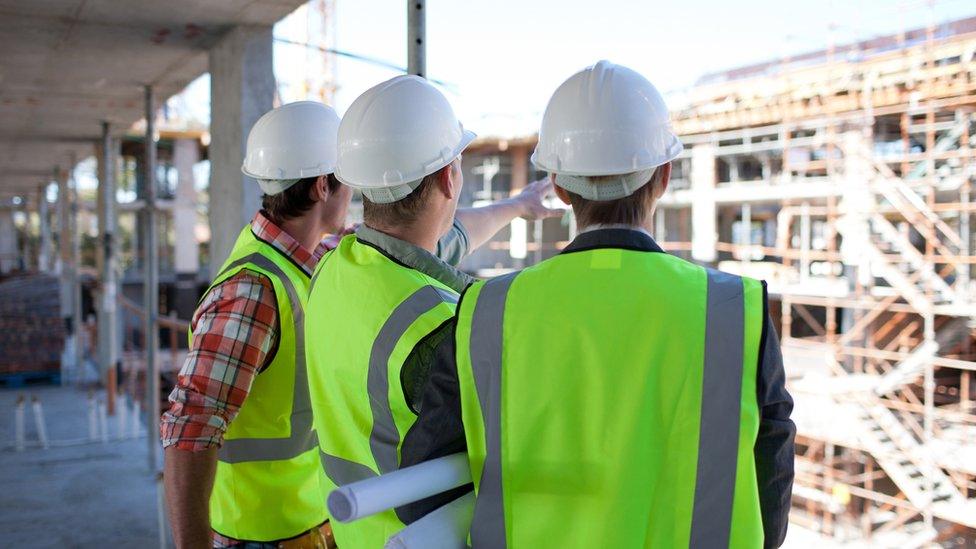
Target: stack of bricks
(31, 329)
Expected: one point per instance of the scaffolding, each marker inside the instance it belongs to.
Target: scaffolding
(844, 177)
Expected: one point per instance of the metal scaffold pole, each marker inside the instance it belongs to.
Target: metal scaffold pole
(76, 313)
(109, 300)
(151, 283)
(417, 37)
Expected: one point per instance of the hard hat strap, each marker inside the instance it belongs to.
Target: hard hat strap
(275, 186)
(610, 188)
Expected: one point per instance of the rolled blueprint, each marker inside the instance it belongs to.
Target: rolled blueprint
(445, 528)
(370, 496)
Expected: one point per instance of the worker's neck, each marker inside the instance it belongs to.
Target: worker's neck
(421, 234)
(307, 229)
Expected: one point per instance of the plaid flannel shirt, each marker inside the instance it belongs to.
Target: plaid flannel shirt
(234, 328)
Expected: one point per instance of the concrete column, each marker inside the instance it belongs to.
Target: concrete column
(44, 228)
(108, 332)
(853, 224)
(186, 153)
(76, 314)
(704, 232)
(67, 274)
(242, 86)
(9, 252)
(520, 168)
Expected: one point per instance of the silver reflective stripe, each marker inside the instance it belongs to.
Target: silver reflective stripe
(342, 471)
(302, 437)
(384, 437)
(488, 523)
(718, 439)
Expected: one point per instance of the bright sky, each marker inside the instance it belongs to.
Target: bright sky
(505, 57)
(502, 59)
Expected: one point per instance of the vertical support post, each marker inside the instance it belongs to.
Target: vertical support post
(965, 215)
(76, 314)
(186, 258)
(9, 247)
(929, 417)
(108, 325)
(787, 318)
(417, 37)
(745, 250)
(66, 274)
(805, 238)
(44, 227)
(704, 234)
(151, 281)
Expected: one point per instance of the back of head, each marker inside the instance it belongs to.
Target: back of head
(606, 137)
(392, 142)
(288, 148)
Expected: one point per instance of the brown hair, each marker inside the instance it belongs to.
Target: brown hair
(295, 200)
(629, 210)
(403, 211)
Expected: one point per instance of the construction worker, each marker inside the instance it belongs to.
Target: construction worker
(379, 301)
(613, 395)
(241, 455)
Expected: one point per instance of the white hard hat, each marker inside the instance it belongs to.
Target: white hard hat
(605, 120)
(395, 134)
(292, 142)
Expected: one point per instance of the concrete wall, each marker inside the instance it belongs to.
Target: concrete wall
(241, 90)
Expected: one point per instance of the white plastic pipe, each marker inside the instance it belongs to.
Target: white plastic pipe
(39, 422)
(367, 497)
(444, 528)
(92, 419)
(135, 419)
(19, 424)
(103, 421)
(122, 412)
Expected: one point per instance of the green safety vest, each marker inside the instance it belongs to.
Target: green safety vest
(269, 484)
(609, 400)
(366, 313)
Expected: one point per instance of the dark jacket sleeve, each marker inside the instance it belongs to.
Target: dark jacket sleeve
(438, 430)
(774, 447)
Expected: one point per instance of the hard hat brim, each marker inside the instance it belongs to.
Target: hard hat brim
(381, 193)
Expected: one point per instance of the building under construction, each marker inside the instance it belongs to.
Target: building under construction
(843, 178)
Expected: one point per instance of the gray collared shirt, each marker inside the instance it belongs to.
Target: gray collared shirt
(451, 249)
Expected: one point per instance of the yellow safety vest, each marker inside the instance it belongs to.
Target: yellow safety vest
(269, 484)
(366, 313)
(609, 400)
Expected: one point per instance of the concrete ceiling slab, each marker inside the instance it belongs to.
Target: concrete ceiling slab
(69, 65)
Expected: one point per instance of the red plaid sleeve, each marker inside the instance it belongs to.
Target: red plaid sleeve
(234, 329)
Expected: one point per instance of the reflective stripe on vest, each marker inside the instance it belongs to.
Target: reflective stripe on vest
(719, 428)
(384, 437)
(302, 438)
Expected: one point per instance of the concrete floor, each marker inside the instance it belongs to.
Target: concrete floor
(76, 493)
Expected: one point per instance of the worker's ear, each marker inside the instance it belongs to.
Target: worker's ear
(560, 192)
(445, 181)
(665, 177)
(320, 190)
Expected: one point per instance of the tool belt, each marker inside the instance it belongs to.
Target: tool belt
(319, 537)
